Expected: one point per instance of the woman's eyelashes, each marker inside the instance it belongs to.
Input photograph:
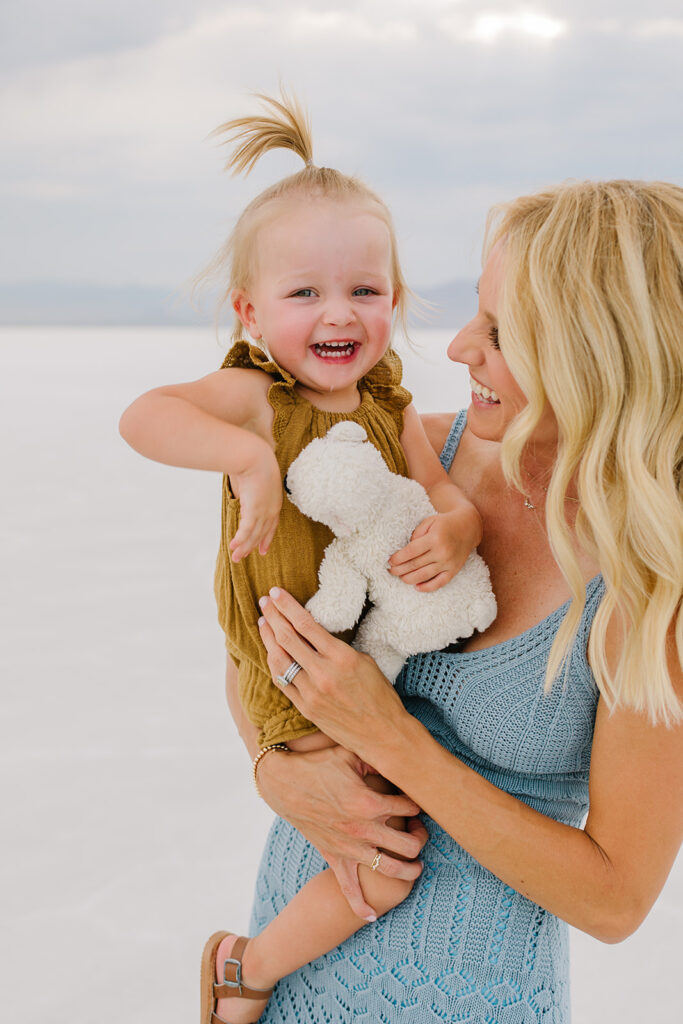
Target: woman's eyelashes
(493, 330)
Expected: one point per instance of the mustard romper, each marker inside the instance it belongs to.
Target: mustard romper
(297, 548)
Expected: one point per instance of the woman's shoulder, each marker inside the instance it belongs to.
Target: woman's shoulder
(437, 426)
(450, 429)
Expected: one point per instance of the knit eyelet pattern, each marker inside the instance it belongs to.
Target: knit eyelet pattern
(463, 946)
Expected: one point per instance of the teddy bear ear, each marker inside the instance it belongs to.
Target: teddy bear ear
(347, 430)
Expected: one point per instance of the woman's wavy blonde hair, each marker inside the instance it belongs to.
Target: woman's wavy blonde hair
(591, 321)
(285, 125)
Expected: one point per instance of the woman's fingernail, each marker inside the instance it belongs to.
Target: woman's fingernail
(261, 621)
(262, 601)
(371, 919)
(275, 592)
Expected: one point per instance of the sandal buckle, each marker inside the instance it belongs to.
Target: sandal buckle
(237, 983)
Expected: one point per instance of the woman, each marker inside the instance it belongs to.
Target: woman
(572, 451)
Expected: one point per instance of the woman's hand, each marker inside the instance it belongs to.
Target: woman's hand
(339, 689)
(346, 695)
(322, 794)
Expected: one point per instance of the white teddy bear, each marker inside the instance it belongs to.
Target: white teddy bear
(343, 481)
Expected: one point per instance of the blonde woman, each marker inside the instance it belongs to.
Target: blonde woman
(570, 703)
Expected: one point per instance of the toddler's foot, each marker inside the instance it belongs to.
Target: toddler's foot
(234, 1009)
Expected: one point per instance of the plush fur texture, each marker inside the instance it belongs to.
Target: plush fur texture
(342, 480)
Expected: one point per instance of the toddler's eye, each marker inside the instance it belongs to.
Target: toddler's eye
(364, 291)
(303, 293)
(493, 336)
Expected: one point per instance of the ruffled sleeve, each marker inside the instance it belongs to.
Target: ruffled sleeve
(250, 357)
(383, 382)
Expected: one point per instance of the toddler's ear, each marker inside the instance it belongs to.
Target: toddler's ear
(245, 310)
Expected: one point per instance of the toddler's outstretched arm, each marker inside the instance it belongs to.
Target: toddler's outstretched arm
(441, 543)
(220, 423)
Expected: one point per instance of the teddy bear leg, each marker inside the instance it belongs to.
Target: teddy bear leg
(369, 640)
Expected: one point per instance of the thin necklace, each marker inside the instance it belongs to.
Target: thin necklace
(528, 503)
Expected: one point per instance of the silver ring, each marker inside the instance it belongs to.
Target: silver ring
(288, 675)
(375, 863)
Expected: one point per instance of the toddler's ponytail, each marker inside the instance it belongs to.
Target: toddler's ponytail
(287, 128)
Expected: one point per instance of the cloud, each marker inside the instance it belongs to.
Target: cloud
(653, 28)
(131, 111)
(38, 32)
(107, 174)
(489, 27)
(337, 23)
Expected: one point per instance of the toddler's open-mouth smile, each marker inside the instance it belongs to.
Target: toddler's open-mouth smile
(341, 351)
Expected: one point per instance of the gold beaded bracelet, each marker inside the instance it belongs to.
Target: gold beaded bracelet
(261, 754)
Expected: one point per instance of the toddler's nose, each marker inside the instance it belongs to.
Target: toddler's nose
(338, 313)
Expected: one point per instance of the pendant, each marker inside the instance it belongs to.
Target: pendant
(528, 504)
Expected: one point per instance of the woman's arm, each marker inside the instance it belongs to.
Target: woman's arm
(323, 795)
(436, 426)
(602, 879)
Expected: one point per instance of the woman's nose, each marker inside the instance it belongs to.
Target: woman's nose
(464, 347)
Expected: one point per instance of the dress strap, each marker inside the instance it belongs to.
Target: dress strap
(595, 591)
(453, 439)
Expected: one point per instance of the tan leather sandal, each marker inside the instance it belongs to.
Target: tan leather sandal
(232, 985)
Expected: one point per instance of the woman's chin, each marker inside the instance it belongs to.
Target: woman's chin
(485, 419)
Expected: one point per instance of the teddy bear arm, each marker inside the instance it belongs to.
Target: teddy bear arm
(340, 598)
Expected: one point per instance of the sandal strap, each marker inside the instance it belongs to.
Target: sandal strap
(233, 986)
(228, 992)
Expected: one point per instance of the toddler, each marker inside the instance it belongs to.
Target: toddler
(315, 283)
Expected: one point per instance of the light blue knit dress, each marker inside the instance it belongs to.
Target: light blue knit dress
(463, 946)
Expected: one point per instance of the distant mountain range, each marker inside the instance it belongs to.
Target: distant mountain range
(70, 304)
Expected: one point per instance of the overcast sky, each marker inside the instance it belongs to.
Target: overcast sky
(443, 106)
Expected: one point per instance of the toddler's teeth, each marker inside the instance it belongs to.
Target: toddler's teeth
(334, 349)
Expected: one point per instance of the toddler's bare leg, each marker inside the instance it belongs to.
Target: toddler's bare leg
(316, 920)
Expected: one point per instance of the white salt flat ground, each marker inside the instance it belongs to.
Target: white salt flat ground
(123, 778)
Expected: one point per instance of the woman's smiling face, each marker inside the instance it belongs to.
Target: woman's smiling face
(496, 396)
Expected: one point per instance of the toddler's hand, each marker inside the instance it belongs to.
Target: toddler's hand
(436, 552)
(259, 489)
